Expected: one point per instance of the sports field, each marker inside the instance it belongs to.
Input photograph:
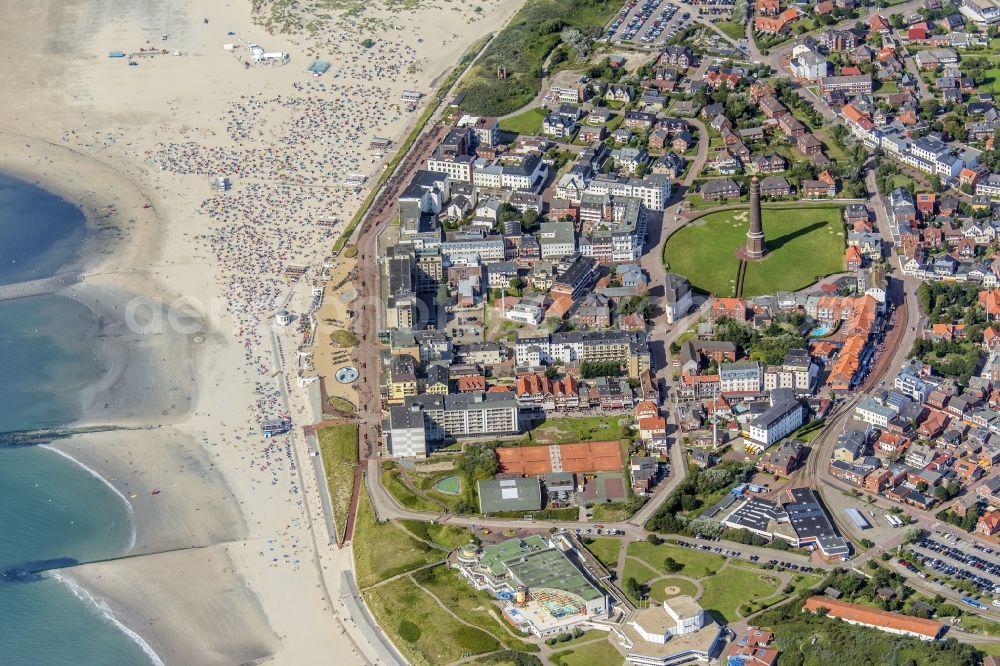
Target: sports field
(803, 245)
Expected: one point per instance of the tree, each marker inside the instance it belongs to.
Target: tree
(670, 565)
(632, 588)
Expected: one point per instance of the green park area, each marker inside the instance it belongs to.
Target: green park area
(734, 31)
(528, 122)
(522, 47)
(992, 80)
(428, 610)
(605, 549)
(588, 654)
(803, 244)
(338, 447)
(383, 549)
(580, 429)
(729, 589)
(421, 628)
(423, 490)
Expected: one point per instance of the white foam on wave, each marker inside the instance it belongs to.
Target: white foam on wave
(105, 611)
(96, 475)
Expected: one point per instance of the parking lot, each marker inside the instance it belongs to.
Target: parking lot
(971, 562)
(650, 23)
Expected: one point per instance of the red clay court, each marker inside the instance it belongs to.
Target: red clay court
(580, 457)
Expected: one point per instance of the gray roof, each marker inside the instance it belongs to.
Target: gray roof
(496, 495)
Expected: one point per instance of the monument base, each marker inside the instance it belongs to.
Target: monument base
(743, 255)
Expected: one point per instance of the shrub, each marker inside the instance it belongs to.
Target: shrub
(409, 632)
(342, 338)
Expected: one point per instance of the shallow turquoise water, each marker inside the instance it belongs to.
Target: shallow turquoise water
(49, 507)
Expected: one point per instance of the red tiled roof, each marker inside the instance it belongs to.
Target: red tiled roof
(874, 618)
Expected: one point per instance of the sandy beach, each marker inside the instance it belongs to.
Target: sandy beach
(235, 560)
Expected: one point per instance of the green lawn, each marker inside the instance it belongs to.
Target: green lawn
(521, 47)
(730, 588)
(803, 244)
(614, 512)
(382, 550)
(888, 87)
(735, 31)
(657, 591)
(446, 536)
(420, 628)
(991, 82)
(338, 446)
(475, 607)
(588, 654)
(695, 561)
(528, 122)
(393, 482)
(606, 550)
(832, 150)
(642, 574)
(577, 429)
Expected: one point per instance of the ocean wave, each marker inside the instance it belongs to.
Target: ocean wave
(96, 475)
(105, 611)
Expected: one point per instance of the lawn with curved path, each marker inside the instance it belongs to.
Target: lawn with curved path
(804, 244)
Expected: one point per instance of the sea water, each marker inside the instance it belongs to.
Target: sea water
(50, 507)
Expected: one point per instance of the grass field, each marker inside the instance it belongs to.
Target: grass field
(695, 561)
(605, 550)
(521, 48)
(474, 607)
(992, 82)
(730, 588)
(585, 429)
(642, 573)
(888, 87)
(446, 536)
(528, 122)
(613, 512)
(401, 492)
(338, 446)
(420, 628)
(382, 550)
(803, 244)
(734, 31)
(657, 591)
(588, 654)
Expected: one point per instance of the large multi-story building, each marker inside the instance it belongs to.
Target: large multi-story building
(458, 167)
(676, 632)
(556, 239)
(797, 372)
(614, 226)
(874, 412)
(742, 377)
(653, 190)
(450, 417)
(782, 418)
(546, 589)
(580, 346)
